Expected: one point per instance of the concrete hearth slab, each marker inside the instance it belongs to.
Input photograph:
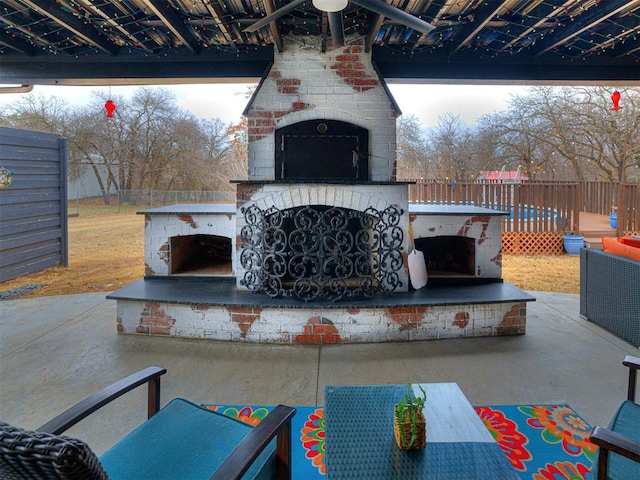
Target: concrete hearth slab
(223, 291)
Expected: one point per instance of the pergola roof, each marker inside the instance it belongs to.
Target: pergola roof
(94, 42)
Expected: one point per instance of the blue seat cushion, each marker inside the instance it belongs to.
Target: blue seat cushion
(182, 440)
(626, 421)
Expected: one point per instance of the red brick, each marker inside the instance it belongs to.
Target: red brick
(288, 90)
(348, 57)
(511, 330)
(319, 330)
(264, 122)
(300, 106)
(396, 310)
(461, 319)
(244, 318)
(345, 66)
(188, 219)
(260, 114)
(365, 82)
(160, 331)
(323, 329)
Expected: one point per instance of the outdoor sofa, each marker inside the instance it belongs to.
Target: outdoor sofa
(610, 293)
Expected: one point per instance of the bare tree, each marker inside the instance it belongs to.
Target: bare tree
(413, 154)
(235, 164)
(513, 138)
(578, 126)
(454, 145)
(150, 143)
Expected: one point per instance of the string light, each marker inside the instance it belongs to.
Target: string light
(27, 25)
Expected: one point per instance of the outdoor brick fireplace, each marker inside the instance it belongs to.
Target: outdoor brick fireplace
(315, 248)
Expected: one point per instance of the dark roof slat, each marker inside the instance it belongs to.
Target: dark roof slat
(270, 8)
(374, 28)
(173, 22)
(111, 16)
(482, 15)
(56, 13)
(18, 44)
(590, 18)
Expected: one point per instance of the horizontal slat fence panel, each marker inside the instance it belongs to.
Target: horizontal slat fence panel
(25, 225)
(33, 209)
(14, 257)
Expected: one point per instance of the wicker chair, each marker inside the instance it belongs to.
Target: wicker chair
(619, 452)
(181, 440)
(610, 293)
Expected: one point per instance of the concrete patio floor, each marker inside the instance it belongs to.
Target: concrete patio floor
(54, 351)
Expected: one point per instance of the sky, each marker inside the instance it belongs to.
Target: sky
(227, 100)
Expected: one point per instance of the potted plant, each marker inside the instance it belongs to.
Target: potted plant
(572, 243)
(409, 425)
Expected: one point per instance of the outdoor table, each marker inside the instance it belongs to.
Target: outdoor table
(360, 443)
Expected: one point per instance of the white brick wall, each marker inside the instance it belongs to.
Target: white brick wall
(287, 325)
(487, 232)
(159, 228)
(323, 93)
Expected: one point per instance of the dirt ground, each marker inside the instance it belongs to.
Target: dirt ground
(106, 252)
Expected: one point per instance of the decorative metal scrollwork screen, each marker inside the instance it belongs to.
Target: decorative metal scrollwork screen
(321, 252)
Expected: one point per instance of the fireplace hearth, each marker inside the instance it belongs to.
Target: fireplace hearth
(200, 255)
(448, 255)
(315, 249)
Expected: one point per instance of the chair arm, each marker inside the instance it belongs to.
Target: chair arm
(608, 440)
(634, 365)
(278, 422)
(86, 407)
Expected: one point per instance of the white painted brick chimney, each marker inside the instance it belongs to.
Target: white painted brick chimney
(306, 84)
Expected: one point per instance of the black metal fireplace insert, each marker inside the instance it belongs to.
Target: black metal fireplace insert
(321, 252)
(322, 149)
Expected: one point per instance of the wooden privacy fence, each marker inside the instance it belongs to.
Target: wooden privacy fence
(33, 209)
(539, 212)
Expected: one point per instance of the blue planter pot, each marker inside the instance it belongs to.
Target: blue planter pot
(573, 244)
(613, 220)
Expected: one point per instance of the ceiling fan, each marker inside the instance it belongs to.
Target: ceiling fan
(333, 6)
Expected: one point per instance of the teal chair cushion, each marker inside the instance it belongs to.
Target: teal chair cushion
(626, 421)
(182, 440)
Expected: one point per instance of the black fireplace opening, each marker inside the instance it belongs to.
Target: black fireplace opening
(322, 150)
(200, 255)
(448, 256)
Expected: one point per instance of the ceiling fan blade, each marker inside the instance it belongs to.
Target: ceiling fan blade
(396, 14)
(274, 16)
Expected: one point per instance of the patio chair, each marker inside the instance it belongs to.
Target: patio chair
(181, 440)
(619, 452)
